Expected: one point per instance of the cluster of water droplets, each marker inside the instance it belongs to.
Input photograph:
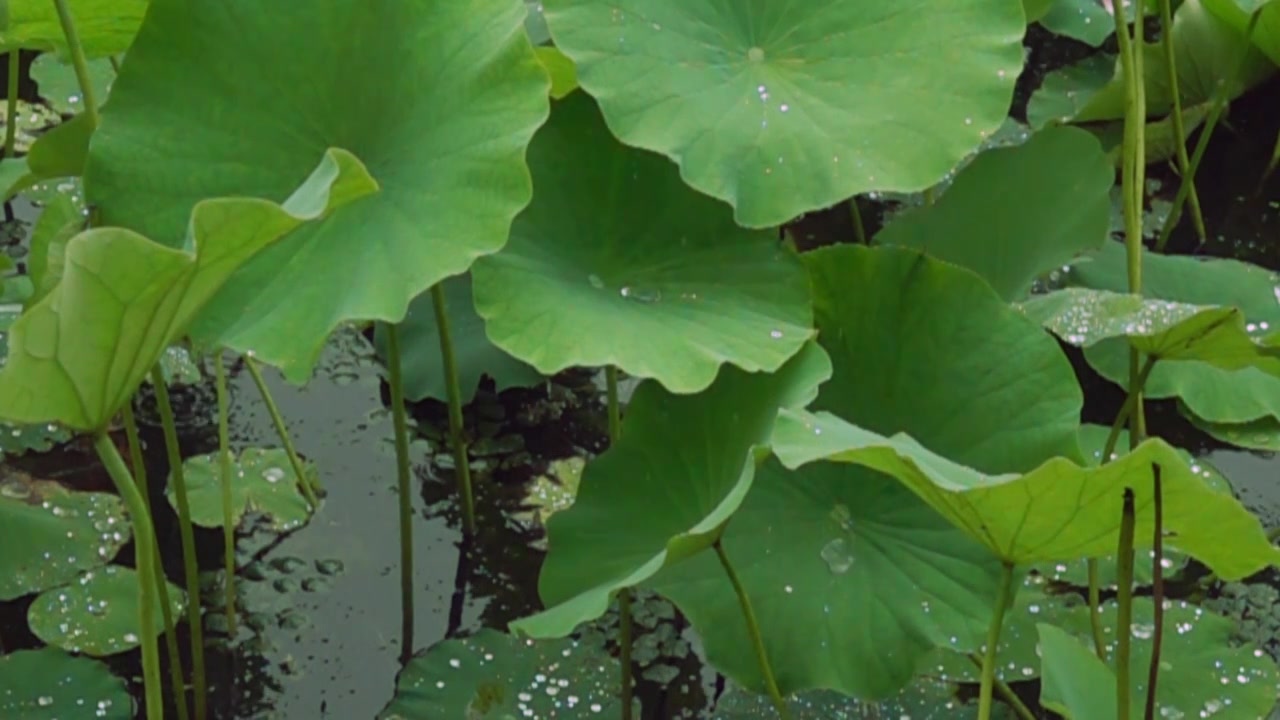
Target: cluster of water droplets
(96, 614)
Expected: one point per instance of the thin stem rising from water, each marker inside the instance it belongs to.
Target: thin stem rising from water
(306, 483)
(78, 61)
(1003, 600)
(457, 431)
(11, 109)
(753, 628)
(404, 489)
(625, 634)
(1179, 128)
(1157, 591)
(228, 518)
(1124, 606)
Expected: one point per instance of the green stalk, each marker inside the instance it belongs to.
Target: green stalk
(624, 595)
(753, 629)
(305, 482)
(11, 109)
(1006, 693)
(860, 231)
(405, 490)
(1124, 602)
(78, 61)
(1211, 122)
(457, 431)
(189, 568)
(176, 674)
(1179, 128)
(1003, 600)
(228, 518)
(145, 554)
(1157, 591)
(1135, 122)
(1271, 166)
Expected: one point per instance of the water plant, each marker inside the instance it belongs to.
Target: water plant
(862, 473)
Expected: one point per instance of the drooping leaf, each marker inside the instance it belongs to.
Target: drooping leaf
(1076, 509)
(104, 27)
(96, 614)
(57, 533)
(262, 481)
(49, 684)
(595, 275)
(1017, 212)
(1236, 13)
(924, 699)
(663, 492)
(871, 566)
(57, 83)
(475, 354)
(779, 112)
(129, 298)
(491, 675)
(1005, 399)
(441, 108)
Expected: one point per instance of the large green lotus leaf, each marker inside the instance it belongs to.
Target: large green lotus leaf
(1018, 212)
(870, 564)
(777, 111)
(1201, 674)
(1211, 393)
(1207, 50)
(1076, 509)
(49, 684)
(595, 275)
(476, 355)
(664, 491)
(1236, 13)
(62, 533)
(438, 98)
(924, 699)
(79, 354)
(104, 27)
(97, 614)
(262, 481)
(495, 676)
(926, 347)
(1167, 330)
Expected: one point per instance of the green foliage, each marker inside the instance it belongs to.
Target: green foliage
(262, 481)
(105, 27)
(97, 613)
(49, 684)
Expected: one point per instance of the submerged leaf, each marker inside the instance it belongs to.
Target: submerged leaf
(49, 684)
(262, 481)
(664, 491)
(1076, 509)
(494, 676)
(128, 298)
(438, 98)
(780, 112)
(62, 533)
(1018, 212)
(595, 275)
(97, 614)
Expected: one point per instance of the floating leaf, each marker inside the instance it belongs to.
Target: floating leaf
(870, 564)
(550, 493)
(57, 83)
(104, 27)
(663, 492)
(1007, 399)
(31, 120)
(1018, 212)
(476, 355)
(441, 106)
(129, 298)
(97, 614)
(62, 533)
(262, 480)
(49, 684)
(594, 276)
(924, 699)
(492, 675)
(778, 113)
(40, 437)
(1076, 509)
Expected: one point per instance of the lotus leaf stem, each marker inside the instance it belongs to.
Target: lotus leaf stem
(1271, 166)
(1124, 606)
(191, 572)
(1220, 99)
(1179, 127)
(1157, 591)
(1006, 693)
(753, 629)
(1003, 600)
(136, 459)
(306, 482)
(78, 61)
(228, 516)
(860, 230)
(11, 106)
(457, 431)
(625, 634)
(1126, 409)
(1133, 167)
(404, 489)
(145, 554)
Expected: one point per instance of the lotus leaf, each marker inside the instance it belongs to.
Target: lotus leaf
(262, 480)
(105, 27)
(49, 684)
(97, 614)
